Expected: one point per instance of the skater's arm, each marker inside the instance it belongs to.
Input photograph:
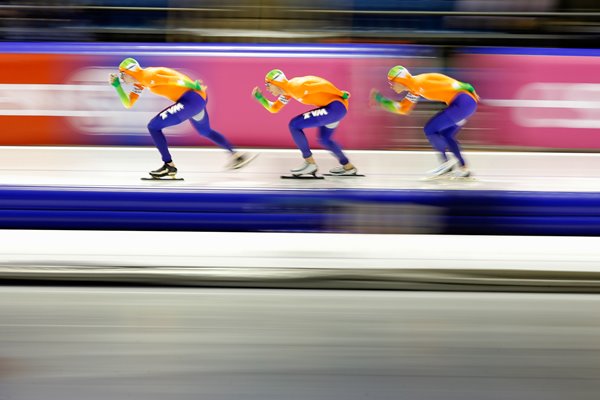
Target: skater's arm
(134, 95)
(408, 103)
(404, 106)
(385, 103)
(126, 99)
(271, 106)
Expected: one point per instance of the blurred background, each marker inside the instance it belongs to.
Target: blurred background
(570, 23)
(231, 286)
(531, 62)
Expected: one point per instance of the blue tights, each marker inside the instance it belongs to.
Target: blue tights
(326, 119)
(191, 106)
(441, 130)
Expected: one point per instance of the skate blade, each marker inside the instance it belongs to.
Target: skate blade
(162, 178)
(446, 178)
(345, 176)
(302, 177)
(246, 162)
(435, 178)
(463, 178)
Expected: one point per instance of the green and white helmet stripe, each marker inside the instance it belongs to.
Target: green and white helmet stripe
(275, 75)
(397, 72)
(129, 64)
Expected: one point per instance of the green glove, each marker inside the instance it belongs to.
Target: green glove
(258, 95)
(345, 95)
(122, 95)
(261, 99)
(384, 102)
(116, 83)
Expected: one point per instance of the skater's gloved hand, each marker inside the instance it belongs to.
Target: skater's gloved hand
(257, 94)
(113, 79)
(374, 98)
(378, 97)
(345, 95)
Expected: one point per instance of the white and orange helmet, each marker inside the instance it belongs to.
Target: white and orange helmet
(275, 77)
(129, 65)
(399, 74)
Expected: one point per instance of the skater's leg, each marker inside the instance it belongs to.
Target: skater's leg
(309, 166)
(201, 122)
(328, 115)
(155, 127)
(461, 108)
(170, 116)
(433, 129)
(160, 141)
(441, 130)
(450, 135)
(325, 134)
(299, 137)
(320, 117)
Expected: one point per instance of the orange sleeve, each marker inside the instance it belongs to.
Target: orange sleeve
(404, 106)
(408, 103)
(135, 93)
(278, 104)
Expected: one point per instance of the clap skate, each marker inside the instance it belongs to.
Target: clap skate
(341, 171)
(305, 171)
(461, 174)
(164, 173)
(442, 171)
(239, 160)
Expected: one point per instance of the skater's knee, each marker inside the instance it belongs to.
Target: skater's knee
(154, 125)
(295, 125)
(430, 129)
(204, 132)
(325, 141)
(292, 126)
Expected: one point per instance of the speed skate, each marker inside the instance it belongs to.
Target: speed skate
(345, 176)
(315, 176)
(449, 177)
(161, 178)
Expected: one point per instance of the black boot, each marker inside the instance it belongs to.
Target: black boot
(165, 170)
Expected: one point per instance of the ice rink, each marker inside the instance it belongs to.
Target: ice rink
(205, 169)
(143, 314)
(232, 256)
(186, 344)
